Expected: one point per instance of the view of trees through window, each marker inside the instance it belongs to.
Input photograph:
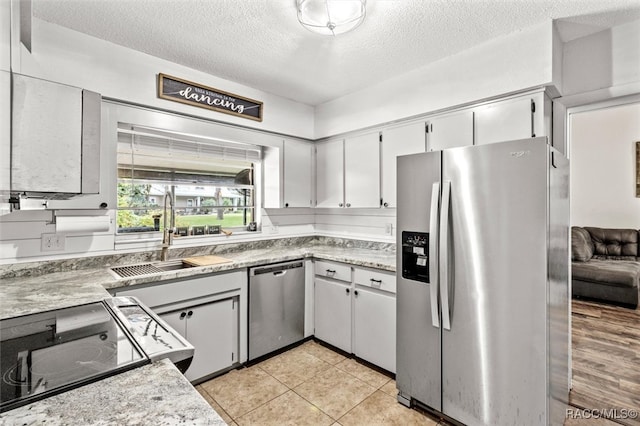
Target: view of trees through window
(199, 209)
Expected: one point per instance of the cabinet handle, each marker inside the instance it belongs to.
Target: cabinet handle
(103, 205)
(340, 205)
(375, 283)
(330, 271)
(386, 204)
(356, 293)
(286, 204)
(182, 315)
(348, 204)
(348, 291)
(189, 314)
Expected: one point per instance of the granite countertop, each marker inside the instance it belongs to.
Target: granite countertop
(29, 294)
(156, 393)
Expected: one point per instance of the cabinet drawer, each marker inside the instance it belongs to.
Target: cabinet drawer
(337, 271)
(375, 279)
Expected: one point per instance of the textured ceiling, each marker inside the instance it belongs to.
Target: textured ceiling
(260, 43)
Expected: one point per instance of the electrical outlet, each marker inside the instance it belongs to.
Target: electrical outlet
(52, 242)
(388, 228)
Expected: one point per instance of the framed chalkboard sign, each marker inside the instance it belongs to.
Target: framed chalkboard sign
(186, 92)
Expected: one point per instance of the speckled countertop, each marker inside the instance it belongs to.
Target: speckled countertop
(25, 294)
(156, 393)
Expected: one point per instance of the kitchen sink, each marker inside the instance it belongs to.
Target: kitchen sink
(151, 268)
(171, 265)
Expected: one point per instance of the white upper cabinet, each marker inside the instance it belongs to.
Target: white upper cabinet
(505, 120)
(106, 198)
(450, 131)
(362, 171)
(348, 172)
(297, 173)
(330, 173)
(5, 38)
(5, 140)
(287, 174)
(403, 140)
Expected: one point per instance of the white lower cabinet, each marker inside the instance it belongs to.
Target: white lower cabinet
(207, 328)
(209, 311)
(374, 317)
(333, 313)
(359, 315)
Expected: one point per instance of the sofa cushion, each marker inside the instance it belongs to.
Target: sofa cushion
(581, 245)
(614, 244)
(620, 273)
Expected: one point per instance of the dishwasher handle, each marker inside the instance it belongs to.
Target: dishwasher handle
(277, 269)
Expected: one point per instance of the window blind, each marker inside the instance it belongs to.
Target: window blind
(137, 141)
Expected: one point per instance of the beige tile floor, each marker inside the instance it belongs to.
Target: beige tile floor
(308, 385)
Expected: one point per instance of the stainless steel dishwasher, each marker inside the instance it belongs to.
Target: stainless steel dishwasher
(276, 307)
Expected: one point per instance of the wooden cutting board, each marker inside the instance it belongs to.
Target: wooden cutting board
(205, 260)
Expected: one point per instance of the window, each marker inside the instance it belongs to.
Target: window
(195, 184)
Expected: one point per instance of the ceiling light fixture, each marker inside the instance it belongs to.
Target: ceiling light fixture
(331, 17)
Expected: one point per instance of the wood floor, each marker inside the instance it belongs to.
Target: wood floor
(606, 361)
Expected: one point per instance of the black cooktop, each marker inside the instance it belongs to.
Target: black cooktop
(51, 352)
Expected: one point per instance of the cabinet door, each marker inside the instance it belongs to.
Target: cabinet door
(504, 121)
(46, 137)
(332, 307)
(409, 139)
(5, 39)
(210, 329)
(5, 138)
(297, 174)
(330, 174)
(177, 320)
(362, 171)
(450, 131)
(375, 328)
(107, 195)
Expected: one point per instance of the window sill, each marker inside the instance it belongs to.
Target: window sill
(153, 240)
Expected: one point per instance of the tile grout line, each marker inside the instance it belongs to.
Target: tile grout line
(293, 390)
(359, 403)
(221, 407)
(264, 403)
(329, 365)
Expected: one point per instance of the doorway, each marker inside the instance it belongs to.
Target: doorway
(605, 338)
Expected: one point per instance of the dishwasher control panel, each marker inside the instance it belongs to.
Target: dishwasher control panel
(276, 268)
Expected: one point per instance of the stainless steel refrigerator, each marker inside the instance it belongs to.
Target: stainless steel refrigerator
(482, 272)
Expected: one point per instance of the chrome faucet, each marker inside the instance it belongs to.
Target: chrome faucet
(167, 235)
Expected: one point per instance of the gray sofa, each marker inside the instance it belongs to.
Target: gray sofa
(605, 265)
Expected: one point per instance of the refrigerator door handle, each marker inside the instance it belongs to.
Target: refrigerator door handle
(443, 252)
(433, 254)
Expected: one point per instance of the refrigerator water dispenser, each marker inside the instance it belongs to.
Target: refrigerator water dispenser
(415, 256)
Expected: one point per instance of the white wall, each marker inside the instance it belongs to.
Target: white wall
(603, 60)
(508, 64)
(66, 56)
(367, 224)
(603, 167)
